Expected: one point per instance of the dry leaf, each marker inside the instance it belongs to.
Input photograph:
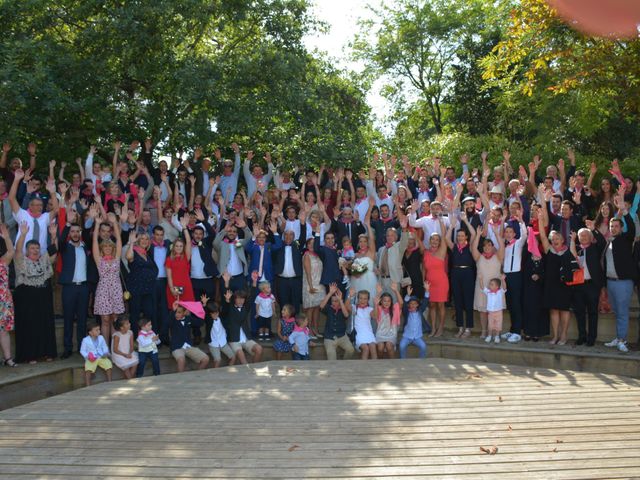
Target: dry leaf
(475, 375)
(490, 451)
(559, 441)
(293, 447)
(509, 428)
(555, 450)
(500, 399)
(291, 370)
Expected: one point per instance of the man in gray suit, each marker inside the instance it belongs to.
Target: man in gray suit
(230, 252)
(389, 258)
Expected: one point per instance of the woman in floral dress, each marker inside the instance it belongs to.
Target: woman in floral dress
(6, 300)
(109, 302)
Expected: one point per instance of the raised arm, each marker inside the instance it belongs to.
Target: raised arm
(474, 244)
(95, 246)
(8, 256)
(114, 162)
(447, 236)
(13, 200)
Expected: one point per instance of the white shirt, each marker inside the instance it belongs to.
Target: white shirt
(197, 265)
(362, 207)
(495, 300)
(264, 305)
(288, 271)
(43, 222)
(293, 226)
(429, 225)
(146, 342)
(96, 346)
(582, 260)
(80, 270)
(218, 334)
(323, 229)
(234, 267)
(513, 253)
(160, 256)
(205, 183)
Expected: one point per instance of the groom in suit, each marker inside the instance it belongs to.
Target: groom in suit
(389, 258)
(230, 251)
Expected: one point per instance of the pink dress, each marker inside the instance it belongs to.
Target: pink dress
(436, 275)
(108, 300)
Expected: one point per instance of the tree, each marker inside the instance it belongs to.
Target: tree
(415, 43)
(184, 72)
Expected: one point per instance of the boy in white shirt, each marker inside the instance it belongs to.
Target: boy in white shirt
(148, 343)
(96, 354)
(218, 343)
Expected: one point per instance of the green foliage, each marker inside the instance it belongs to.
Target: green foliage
(184, 72)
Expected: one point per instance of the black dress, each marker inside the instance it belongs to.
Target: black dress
(412, 266)
(557, 295)
(535, 315)
(33, 302)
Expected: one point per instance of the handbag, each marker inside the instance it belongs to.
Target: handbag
(578, 278)
(126, 294)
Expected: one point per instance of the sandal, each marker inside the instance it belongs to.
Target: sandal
(466, 333)
(460, 332)
(8, 362)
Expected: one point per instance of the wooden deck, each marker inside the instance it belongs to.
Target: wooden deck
(376, 419)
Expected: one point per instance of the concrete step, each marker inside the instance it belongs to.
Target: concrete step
(606, 327)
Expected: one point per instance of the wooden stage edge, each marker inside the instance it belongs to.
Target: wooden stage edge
(434, 418)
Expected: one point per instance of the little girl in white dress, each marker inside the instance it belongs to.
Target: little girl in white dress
(362, 314)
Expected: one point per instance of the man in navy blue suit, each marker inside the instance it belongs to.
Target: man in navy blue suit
(203, 270)
(328, 254)
(158, 250)
(75, 289)
(287, 265)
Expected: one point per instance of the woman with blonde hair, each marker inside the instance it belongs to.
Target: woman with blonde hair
(109, 302)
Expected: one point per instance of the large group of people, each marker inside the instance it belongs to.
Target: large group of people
(168, 253)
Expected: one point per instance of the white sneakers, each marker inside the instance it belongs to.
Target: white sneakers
(612, 343)
(511, 337)
(495, 339)
(619, 344)
(514, 338)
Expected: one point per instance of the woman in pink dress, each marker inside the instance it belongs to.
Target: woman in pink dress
(109, 302)
(435, 267)
(178, 265)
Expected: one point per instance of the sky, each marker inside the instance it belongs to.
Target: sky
(342, 16)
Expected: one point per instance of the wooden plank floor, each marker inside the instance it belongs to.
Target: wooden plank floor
(377, 419)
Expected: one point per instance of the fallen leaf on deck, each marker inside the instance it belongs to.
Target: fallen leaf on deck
(555, 450)
(500, 399)
(291, 370)
(509, 428)
(293, 447)
(475, 375)
(490, 451)
(559, 441)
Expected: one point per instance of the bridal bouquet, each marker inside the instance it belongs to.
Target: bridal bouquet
(358, 267)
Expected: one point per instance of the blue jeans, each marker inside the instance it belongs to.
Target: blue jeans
(620, 292)
(418, 342)
(297, 356)
(142, 360)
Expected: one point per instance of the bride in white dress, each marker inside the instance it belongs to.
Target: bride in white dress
(366, 254)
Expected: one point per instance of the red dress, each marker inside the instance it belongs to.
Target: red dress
(436, 275)
(180, 273)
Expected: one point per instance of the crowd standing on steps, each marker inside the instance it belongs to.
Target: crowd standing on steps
(231, 253)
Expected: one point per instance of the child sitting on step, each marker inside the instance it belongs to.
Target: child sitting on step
(96, 354)
(415, 325)
(299, 338)
(148, 343)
